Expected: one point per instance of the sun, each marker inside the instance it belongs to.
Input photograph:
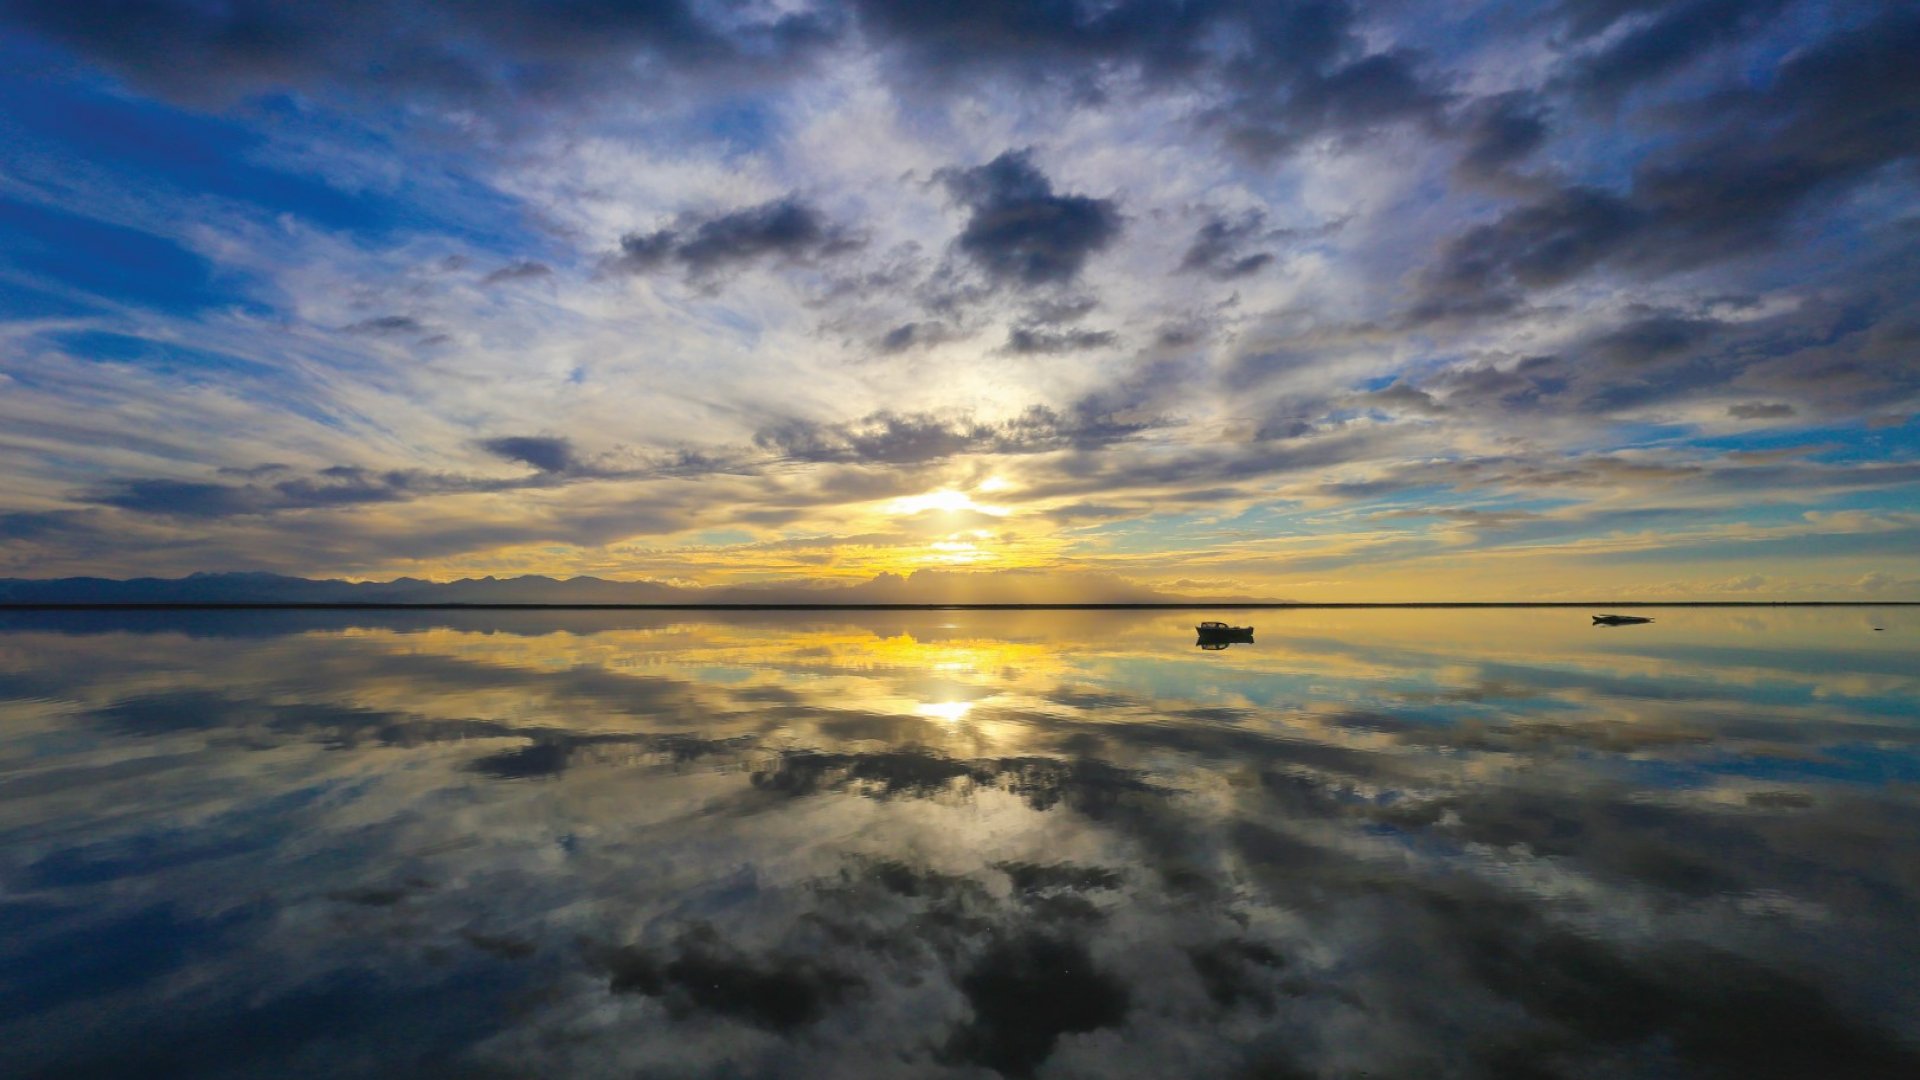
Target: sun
(946, 500)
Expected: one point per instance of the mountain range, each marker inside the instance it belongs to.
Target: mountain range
(920, 587)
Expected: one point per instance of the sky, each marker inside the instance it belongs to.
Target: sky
(1324, 301)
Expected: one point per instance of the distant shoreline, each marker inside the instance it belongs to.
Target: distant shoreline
(1181, 606)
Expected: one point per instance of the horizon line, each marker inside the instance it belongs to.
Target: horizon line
(1253, 605)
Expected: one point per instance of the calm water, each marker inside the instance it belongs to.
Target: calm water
(1492, 843)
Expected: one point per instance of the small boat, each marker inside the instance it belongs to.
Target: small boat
(1218, 633)
(1618, 620)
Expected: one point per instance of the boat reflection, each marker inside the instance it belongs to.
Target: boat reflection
(1215, 636)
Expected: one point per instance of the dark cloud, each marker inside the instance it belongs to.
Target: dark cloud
(704, 974)
(544, 452)
(1256, 367)
(254, 472)
(1836, 356)
(1835, 113)
(388, 326)
(1237, 973)
(180, 498)
(342, 485)
(1272, 112)
(1721, 1013)
(1659, 336)
(884, 438)
(1041, 877)
(1536, 246)
(1757, 410)
(901, 338)
(785, 230)
(1031, 341)
(945, 37)
(916, 335)
(888, 438)
(1058, 311)
(529, 762)
(1028, 991)
(1219, 247)
(1278, 72)
(1020, 232)
(45, 525)
(1284, 423)
(1584, 19)
(339, 485)
(1499, 133)
(524, 270)
(1673, 37)
(1181, 335)
(495, 53)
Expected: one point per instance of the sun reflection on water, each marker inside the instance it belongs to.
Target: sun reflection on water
(948, 712)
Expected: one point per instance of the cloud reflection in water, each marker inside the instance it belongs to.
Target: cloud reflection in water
(1432, 843)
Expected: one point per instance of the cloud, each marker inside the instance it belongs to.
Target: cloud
(1655, 337)
(916, 335)
(1019, 231)
(46, 525)
(907, 439)
(344, 485)
(785, 230)
(1277, 74)
(1113, 917)
(1536, 246)
(1400, 397)
(1219, 247)
(1500, 132)
(1026, 993)
(387, 326)
(1599, 255)
(1032, 341)
(180, 498)
(1674, 35)
(1059, 310)
(1876, 582)
(523, 270)
(706, 975)
(1836, 112)
(494, 54)
(1472, 517)
(544, 452)
(1274, 116)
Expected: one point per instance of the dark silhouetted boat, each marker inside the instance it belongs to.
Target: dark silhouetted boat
(1618, 620)
(1218, 635)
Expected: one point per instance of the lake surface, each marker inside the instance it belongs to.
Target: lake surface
(862, 844)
